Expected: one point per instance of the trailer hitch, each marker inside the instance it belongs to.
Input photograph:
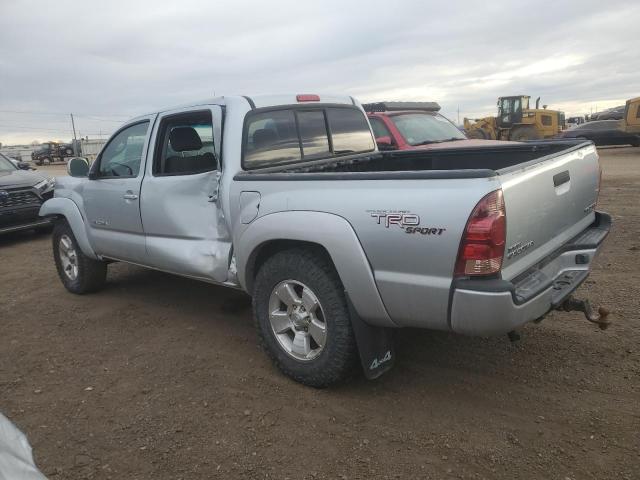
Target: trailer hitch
(572, 304)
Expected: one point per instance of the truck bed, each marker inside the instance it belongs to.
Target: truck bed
(549, 187)
(475, 162)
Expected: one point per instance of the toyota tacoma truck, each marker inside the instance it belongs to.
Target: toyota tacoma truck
(287, 198)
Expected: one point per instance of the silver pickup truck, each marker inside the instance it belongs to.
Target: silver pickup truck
(287, 198)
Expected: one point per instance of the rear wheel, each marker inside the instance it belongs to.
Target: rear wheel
(78, 273)
(520, 134)
(38, 162)
(302, 318)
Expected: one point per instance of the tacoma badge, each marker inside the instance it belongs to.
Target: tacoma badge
(518, 248)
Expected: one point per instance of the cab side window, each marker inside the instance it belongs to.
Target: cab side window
(123, 154)
(185, 145)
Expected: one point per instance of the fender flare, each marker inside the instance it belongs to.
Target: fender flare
(67, 208)
(336, 236)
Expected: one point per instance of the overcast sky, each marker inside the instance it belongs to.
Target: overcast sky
(106, 61)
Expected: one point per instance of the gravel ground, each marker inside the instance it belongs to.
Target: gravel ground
(160, 377)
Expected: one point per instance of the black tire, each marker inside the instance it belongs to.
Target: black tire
(47, 160)
(91, 274)
(520, 134)
(477, 134)
(38, 162)
(338, 358)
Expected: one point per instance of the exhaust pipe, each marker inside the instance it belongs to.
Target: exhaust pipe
(537, 103)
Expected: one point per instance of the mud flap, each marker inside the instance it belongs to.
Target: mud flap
(375, 345)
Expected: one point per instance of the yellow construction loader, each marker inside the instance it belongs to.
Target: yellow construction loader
(631, 119)
(516, 121)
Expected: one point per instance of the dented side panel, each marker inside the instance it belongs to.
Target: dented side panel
(183, 217)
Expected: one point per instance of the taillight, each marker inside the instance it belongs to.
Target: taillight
(482, 245)
(307, 98)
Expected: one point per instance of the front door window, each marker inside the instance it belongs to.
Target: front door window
(122, 156)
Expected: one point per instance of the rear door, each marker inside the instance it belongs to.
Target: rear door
(547, 203)
(184, 227)
(111, 196)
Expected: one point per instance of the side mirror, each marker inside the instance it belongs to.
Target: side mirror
(384, 143)
(24, 166)
(78, 167)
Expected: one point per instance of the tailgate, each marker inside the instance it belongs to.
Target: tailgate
(547, 202)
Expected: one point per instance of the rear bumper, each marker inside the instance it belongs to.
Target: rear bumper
(492, 307)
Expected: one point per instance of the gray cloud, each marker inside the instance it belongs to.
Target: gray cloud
(109, 60)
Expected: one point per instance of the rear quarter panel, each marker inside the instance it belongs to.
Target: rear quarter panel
(412, 271)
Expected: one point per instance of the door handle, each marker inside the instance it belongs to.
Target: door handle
(130, 196)
(561, 178)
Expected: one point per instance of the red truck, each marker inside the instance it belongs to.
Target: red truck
(415, 125)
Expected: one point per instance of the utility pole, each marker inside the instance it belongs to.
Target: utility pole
(75, 140)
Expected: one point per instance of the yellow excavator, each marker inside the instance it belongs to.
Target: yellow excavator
(516, 121)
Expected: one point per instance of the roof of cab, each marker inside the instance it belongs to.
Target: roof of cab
(261, 101)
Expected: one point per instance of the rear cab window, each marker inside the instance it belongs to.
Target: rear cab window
(282, 136)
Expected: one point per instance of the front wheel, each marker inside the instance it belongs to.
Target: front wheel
(302, 318)
(78, 273)
(521, 134)
(477, 134)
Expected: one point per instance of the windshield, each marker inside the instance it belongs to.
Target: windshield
(6, 165)
(423, 128)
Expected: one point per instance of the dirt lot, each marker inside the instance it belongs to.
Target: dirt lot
(161, 377)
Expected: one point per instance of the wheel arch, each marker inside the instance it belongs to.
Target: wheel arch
(326, 233)
(65, 208)
(270, 247)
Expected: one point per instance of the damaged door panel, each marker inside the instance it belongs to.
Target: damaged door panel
(185, 230)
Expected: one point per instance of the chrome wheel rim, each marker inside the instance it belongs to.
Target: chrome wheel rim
(297, 320)
(68, 257)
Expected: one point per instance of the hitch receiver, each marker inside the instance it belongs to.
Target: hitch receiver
(572, 304)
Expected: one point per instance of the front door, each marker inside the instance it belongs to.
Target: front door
(112, 195)
(184, 227)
